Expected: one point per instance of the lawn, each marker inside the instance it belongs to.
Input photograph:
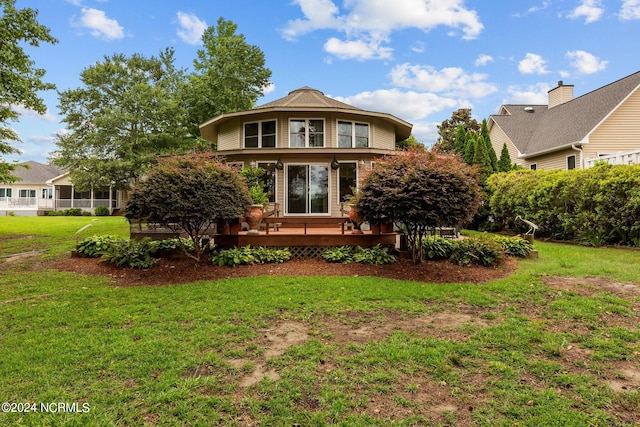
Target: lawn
(555, 344)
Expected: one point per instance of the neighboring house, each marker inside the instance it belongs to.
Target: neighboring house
(315, 148)
(570, 132)
(43, 188)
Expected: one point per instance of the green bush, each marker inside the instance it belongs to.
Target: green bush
(233, 257)
(73, 212)
(271, 256)
(374, 255)
(476, 251)
(101, 211)
(96, 246)
(171, 244)
(342, 254)
(131, 253)
(346, 254)
(435, 247)
(514, 246)
(597, 206)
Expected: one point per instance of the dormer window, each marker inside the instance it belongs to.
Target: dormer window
(353, 135)
(260, 134)
(305, 133)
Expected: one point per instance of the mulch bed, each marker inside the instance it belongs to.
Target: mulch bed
(175, 271)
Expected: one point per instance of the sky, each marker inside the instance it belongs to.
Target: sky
(419, 60)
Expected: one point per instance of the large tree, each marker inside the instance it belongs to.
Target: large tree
(448, 129)
(230, 75)
(20, 80)
(126, 112)
(419, 191)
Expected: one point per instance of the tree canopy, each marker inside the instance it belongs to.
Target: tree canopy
(20, 80)
(126, 113)
(189, 193)
(230, 75)
(448, 129)
(419, 191)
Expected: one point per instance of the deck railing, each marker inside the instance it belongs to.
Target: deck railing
(626, 158)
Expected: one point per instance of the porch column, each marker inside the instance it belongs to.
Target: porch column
(91, 195)
(110, 203)
(73, 192)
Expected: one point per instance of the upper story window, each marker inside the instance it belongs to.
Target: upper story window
(306, 133)
(353, 135)
(260, 134)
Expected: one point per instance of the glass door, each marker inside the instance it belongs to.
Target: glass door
(307, 189)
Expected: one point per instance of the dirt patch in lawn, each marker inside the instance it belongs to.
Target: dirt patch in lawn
(175, 271)
(588, 286)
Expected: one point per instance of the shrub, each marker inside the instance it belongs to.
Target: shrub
(171, 244)
(96, 246)
(476, 251)
(514, 246)
(271, 256)
(375, 255)
(346, 254)
(342, 254)
(131, 253)
(234, 257)
(101, 211)
(73, 212)
(435, 247)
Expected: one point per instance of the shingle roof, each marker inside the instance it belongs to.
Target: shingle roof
(36, 173)
(546, 129)
(307, 97)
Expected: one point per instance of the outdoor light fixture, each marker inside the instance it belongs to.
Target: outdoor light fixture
(279, 164)
(334, 164)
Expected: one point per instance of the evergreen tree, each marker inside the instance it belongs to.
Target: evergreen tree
(481, 158)
(461, 140)
(493, 158)
(469, 149)
(448, 128)
(504, 164)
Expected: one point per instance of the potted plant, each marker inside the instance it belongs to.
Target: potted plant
(256, 213)
(356, 219)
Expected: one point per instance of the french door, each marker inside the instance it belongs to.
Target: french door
(307, 189)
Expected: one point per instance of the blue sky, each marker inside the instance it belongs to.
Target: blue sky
(417, 59)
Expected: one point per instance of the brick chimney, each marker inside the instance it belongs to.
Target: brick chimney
(561, 94)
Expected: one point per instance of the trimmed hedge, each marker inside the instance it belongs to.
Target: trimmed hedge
(595, 206)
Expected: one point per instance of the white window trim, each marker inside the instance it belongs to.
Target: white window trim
(353, 133)
(306, 133)
(338, 178)
(286, 189)
(259, 122)
(575, 162)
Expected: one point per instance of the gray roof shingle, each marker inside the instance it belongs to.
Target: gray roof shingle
(36, 173)
(546, 129)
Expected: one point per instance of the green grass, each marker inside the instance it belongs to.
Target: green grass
(532, 354)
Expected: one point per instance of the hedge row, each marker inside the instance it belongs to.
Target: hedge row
(596, 206)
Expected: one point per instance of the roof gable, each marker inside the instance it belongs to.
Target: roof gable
(36, 173)
(547, 129)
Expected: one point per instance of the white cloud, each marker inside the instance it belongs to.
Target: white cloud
(271, 87)
(630, 10)
(591, 10)
(368, 24)
(357, 49)
(483, 60)
(190, 28)
(585, 62)
(536, 94)
(408, 105)
(533, 64)
(28, 113)
(100, 25)
(450, 81)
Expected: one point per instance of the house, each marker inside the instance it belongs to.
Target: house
(42, 188)
(570, 133)
(314, 147)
